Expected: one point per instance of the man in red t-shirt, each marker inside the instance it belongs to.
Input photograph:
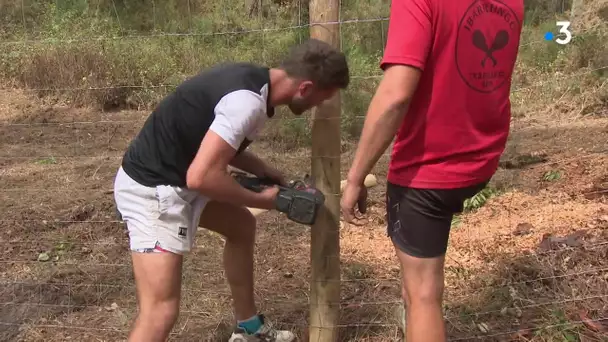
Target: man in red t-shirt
(445, 95)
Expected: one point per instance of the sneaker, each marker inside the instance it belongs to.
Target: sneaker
(265, 334)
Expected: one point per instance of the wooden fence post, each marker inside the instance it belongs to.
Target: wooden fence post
(325, 168)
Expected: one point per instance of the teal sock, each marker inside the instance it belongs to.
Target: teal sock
(251, 325)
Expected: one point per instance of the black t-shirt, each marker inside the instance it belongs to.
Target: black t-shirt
(232, 100)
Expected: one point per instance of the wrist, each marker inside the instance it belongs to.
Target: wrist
(354, 178)
(264, 202)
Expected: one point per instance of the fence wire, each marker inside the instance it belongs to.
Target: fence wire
(63, 270)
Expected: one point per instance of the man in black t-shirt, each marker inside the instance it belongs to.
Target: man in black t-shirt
(174, 177)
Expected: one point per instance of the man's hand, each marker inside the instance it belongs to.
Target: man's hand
(269, 196)
(354, 194)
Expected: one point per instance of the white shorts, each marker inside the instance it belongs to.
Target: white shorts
(161, 218)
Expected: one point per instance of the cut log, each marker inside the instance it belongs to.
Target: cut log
(369, 182)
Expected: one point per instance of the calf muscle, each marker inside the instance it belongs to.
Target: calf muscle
(422, 291)
(238, 225)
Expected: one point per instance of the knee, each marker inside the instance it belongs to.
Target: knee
(236, 224)
(162, 314)
(423, 293)
(245, 233)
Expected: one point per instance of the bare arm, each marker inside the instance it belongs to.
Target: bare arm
(249, 162)
(385, 114)
(237, 114)
(208, 175)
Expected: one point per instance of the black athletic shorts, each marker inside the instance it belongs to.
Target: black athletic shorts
(419, 220)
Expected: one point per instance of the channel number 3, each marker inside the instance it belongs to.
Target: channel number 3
(564, 28)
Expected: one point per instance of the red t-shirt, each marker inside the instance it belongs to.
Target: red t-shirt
(457, 124)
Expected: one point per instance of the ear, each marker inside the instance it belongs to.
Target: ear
(306, 88)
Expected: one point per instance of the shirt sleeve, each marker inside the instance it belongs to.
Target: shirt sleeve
(410, 34)
(237, 116)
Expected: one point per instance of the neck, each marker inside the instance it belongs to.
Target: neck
(281, 87)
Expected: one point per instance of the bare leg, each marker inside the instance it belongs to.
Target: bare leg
(422, 291)
(158, 282)
(238, 226)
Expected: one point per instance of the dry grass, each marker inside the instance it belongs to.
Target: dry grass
(499, 274)
(529, 265)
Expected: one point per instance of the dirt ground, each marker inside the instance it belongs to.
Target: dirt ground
(529, 265)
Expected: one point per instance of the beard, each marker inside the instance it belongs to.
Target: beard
(298, 106)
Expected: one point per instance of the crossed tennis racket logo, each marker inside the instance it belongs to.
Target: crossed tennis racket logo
(500, 41)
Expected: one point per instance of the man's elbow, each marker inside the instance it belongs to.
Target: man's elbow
(395, 104)
(196, 180)
(399, 85)
(398, 98)
(193, 183)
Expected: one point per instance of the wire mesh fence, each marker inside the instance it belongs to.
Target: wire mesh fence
(527, 258)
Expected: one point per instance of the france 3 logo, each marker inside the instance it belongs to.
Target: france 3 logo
(565, 33)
